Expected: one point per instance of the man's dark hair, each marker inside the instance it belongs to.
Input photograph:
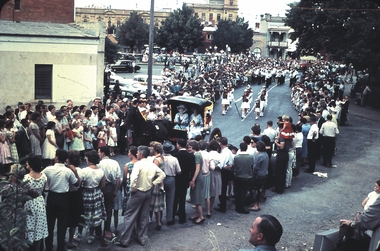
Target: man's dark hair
(247, 140)
(329, 117)
(182, 143)
(213, 145)
(92, 157)
(223, 141)
(144, 150)
(62, 155)
(256, 130)
(270, 122)
(243, 147)
(105, 150)
(271, 228)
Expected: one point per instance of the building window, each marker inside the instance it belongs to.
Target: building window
(230, 17)
(231, 2)
(204, 16)
(218, 17)
(209, 36)
(196, 14)
(17, 5)
(210, 17)
(43, 75)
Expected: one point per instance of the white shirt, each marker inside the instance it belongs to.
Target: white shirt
(59, 178)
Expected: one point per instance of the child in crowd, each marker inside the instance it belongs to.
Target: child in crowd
(372, 196)
(112, 138)
(102, 136)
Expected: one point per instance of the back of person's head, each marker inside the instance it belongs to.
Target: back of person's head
(256, 130)
(182, 143)
(270, 123)
(133, 150)
(271, 228)
(35, 163)
(223, 141)
(74, 157)
(144, 150)
(329, 117)
(247, 140)
(202, 145)
(50, 125)
(61, 155)
(243, 146)
(214, 145)
(260, 146)
(24, 122)
(92, 157)
(303, 120)
(105, 150)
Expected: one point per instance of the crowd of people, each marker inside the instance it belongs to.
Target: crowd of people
(58, 138)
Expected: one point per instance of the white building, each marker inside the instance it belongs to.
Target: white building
(51, 62)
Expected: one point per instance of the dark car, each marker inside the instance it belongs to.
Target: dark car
(124, 65)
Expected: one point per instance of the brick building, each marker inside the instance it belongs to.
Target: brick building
(53, 11)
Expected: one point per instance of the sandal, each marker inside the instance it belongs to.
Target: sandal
(199, 221)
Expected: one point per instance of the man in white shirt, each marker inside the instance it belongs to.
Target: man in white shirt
(59, 179)
(144, 175)
(312, 144)
(112, 174)
(225, 165)
(328, 130)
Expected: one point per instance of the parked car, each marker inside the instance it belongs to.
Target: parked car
(124, 65)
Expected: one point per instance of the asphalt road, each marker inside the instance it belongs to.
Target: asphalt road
(311, 205)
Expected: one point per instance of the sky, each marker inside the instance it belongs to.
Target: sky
(249, 9)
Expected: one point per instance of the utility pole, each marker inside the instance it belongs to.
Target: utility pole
(150, 56)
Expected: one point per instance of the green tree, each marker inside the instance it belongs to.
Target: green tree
(111, 51)
(134, 32)
(236, 34)
(338, 29)
(181, 30)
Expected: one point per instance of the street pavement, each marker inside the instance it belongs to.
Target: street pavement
(311, 205)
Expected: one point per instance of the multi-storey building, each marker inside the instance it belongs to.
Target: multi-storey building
(211, 11)
(271, 37)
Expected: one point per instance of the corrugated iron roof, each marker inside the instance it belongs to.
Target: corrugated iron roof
(43, 29)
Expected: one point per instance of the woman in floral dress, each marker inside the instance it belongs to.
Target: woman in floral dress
(157, 203)
(36, 222)
(127, 173)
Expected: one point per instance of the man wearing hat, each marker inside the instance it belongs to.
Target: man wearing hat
(60, 129)
(171, 168)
